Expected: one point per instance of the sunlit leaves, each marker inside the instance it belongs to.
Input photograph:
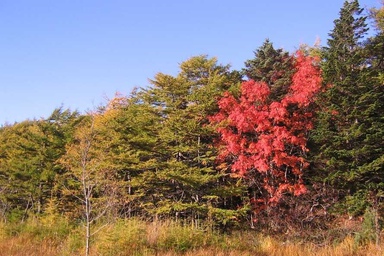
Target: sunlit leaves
(268, 138)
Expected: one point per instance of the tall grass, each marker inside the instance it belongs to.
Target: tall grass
(162, 238)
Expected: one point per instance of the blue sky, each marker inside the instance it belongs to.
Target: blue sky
(78, 53)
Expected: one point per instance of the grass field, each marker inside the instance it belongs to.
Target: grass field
(167, 238)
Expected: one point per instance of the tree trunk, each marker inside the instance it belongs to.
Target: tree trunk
(87, 227)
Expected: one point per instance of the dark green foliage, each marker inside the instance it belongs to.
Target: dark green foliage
(343, 55)
(350, 126)
(272, 66)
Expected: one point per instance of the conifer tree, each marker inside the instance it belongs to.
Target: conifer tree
(186, 182)
(350, 123)
(29, 171)
(273, 66)
(130, 126)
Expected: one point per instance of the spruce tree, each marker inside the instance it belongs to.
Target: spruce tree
(350, 123)
(272, 66)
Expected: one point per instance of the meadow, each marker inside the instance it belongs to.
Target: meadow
(166, 238)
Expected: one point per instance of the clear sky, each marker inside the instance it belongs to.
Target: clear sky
(77, 53)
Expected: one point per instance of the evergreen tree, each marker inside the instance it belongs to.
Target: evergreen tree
(130, 127)
(343, 58)
(273, 66)
(350, 122)
(186, 182)
(29, 171)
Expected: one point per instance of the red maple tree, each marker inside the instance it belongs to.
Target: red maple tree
(265, 140)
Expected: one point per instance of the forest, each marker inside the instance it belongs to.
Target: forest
(282, 157)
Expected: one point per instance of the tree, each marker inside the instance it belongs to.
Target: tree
(130, 126)
(20, 169)
(265, 141)
(186, 182)
(378, 16)
(375, 44)
(273, 66)
(343, 56)
(88, 178)
(29, 171)
(349, 128)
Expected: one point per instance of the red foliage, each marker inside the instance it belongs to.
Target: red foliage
(268, 138)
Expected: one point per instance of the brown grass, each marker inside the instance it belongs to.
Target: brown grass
(26, 246)
(23, 246)
(133, 237)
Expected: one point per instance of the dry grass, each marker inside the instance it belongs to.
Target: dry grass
(26, 246)
(133, 237)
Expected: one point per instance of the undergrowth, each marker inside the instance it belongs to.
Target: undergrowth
(136, 237)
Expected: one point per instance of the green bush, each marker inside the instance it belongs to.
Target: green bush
(367, 234)
(126, 235)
